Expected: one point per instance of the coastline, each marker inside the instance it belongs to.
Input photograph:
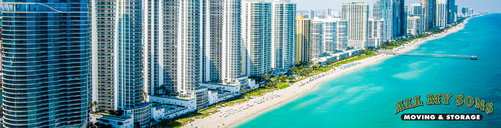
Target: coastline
(294, 91)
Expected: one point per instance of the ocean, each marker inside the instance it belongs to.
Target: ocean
(367, 97)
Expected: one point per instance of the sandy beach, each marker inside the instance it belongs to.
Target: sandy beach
(231, 116)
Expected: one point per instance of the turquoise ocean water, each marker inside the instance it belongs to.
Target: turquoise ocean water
(367, 97)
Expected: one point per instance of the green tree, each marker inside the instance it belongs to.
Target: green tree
(282, 78)
(273, 83)
(166, 122)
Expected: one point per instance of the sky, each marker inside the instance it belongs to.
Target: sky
(477, 5)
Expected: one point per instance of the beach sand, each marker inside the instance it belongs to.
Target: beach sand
(294, 91)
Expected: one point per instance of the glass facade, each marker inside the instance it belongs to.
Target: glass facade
(46, 60)
(399, 18)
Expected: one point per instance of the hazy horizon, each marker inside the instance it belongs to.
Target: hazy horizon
(484, 5)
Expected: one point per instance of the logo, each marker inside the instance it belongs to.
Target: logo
(468, 101)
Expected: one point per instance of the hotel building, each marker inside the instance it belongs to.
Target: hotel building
(357, 15)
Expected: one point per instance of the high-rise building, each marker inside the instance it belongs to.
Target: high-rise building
(311, 14)
(328, 12)
(341, 35)
(357, 15)
(173, 43)
(222, 43)
(46, 55)
(465, 10)
(284, 35)
(430, 13)
(303, 45)
(316, 35)
(441, 14)
(417, 10)
(399, 18)
(118, 58)
(377, 10)
(103, 70)
(375, 32)
(256, 34)
(385, 14)
(451, 13)
(456, 8)
(413, 25)
(331, 35)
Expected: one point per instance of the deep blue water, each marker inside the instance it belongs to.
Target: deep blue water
(367, 97)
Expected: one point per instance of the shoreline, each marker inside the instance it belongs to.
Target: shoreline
(241, 113)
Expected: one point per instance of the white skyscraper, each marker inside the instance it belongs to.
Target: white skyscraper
(117, 58)
(441, 14)
(386, 8)
(375, 33)
(283, 35)
(221, 49)
(341, 35)
(329, 34)
(256, 34)
(357, 14)
(316, 38)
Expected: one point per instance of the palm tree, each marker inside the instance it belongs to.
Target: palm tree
(94, 105)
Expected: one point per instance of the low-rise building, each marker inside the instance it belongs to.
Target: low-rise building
(336, 56)
(189, 102)
(167, 111)
(123, 121)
